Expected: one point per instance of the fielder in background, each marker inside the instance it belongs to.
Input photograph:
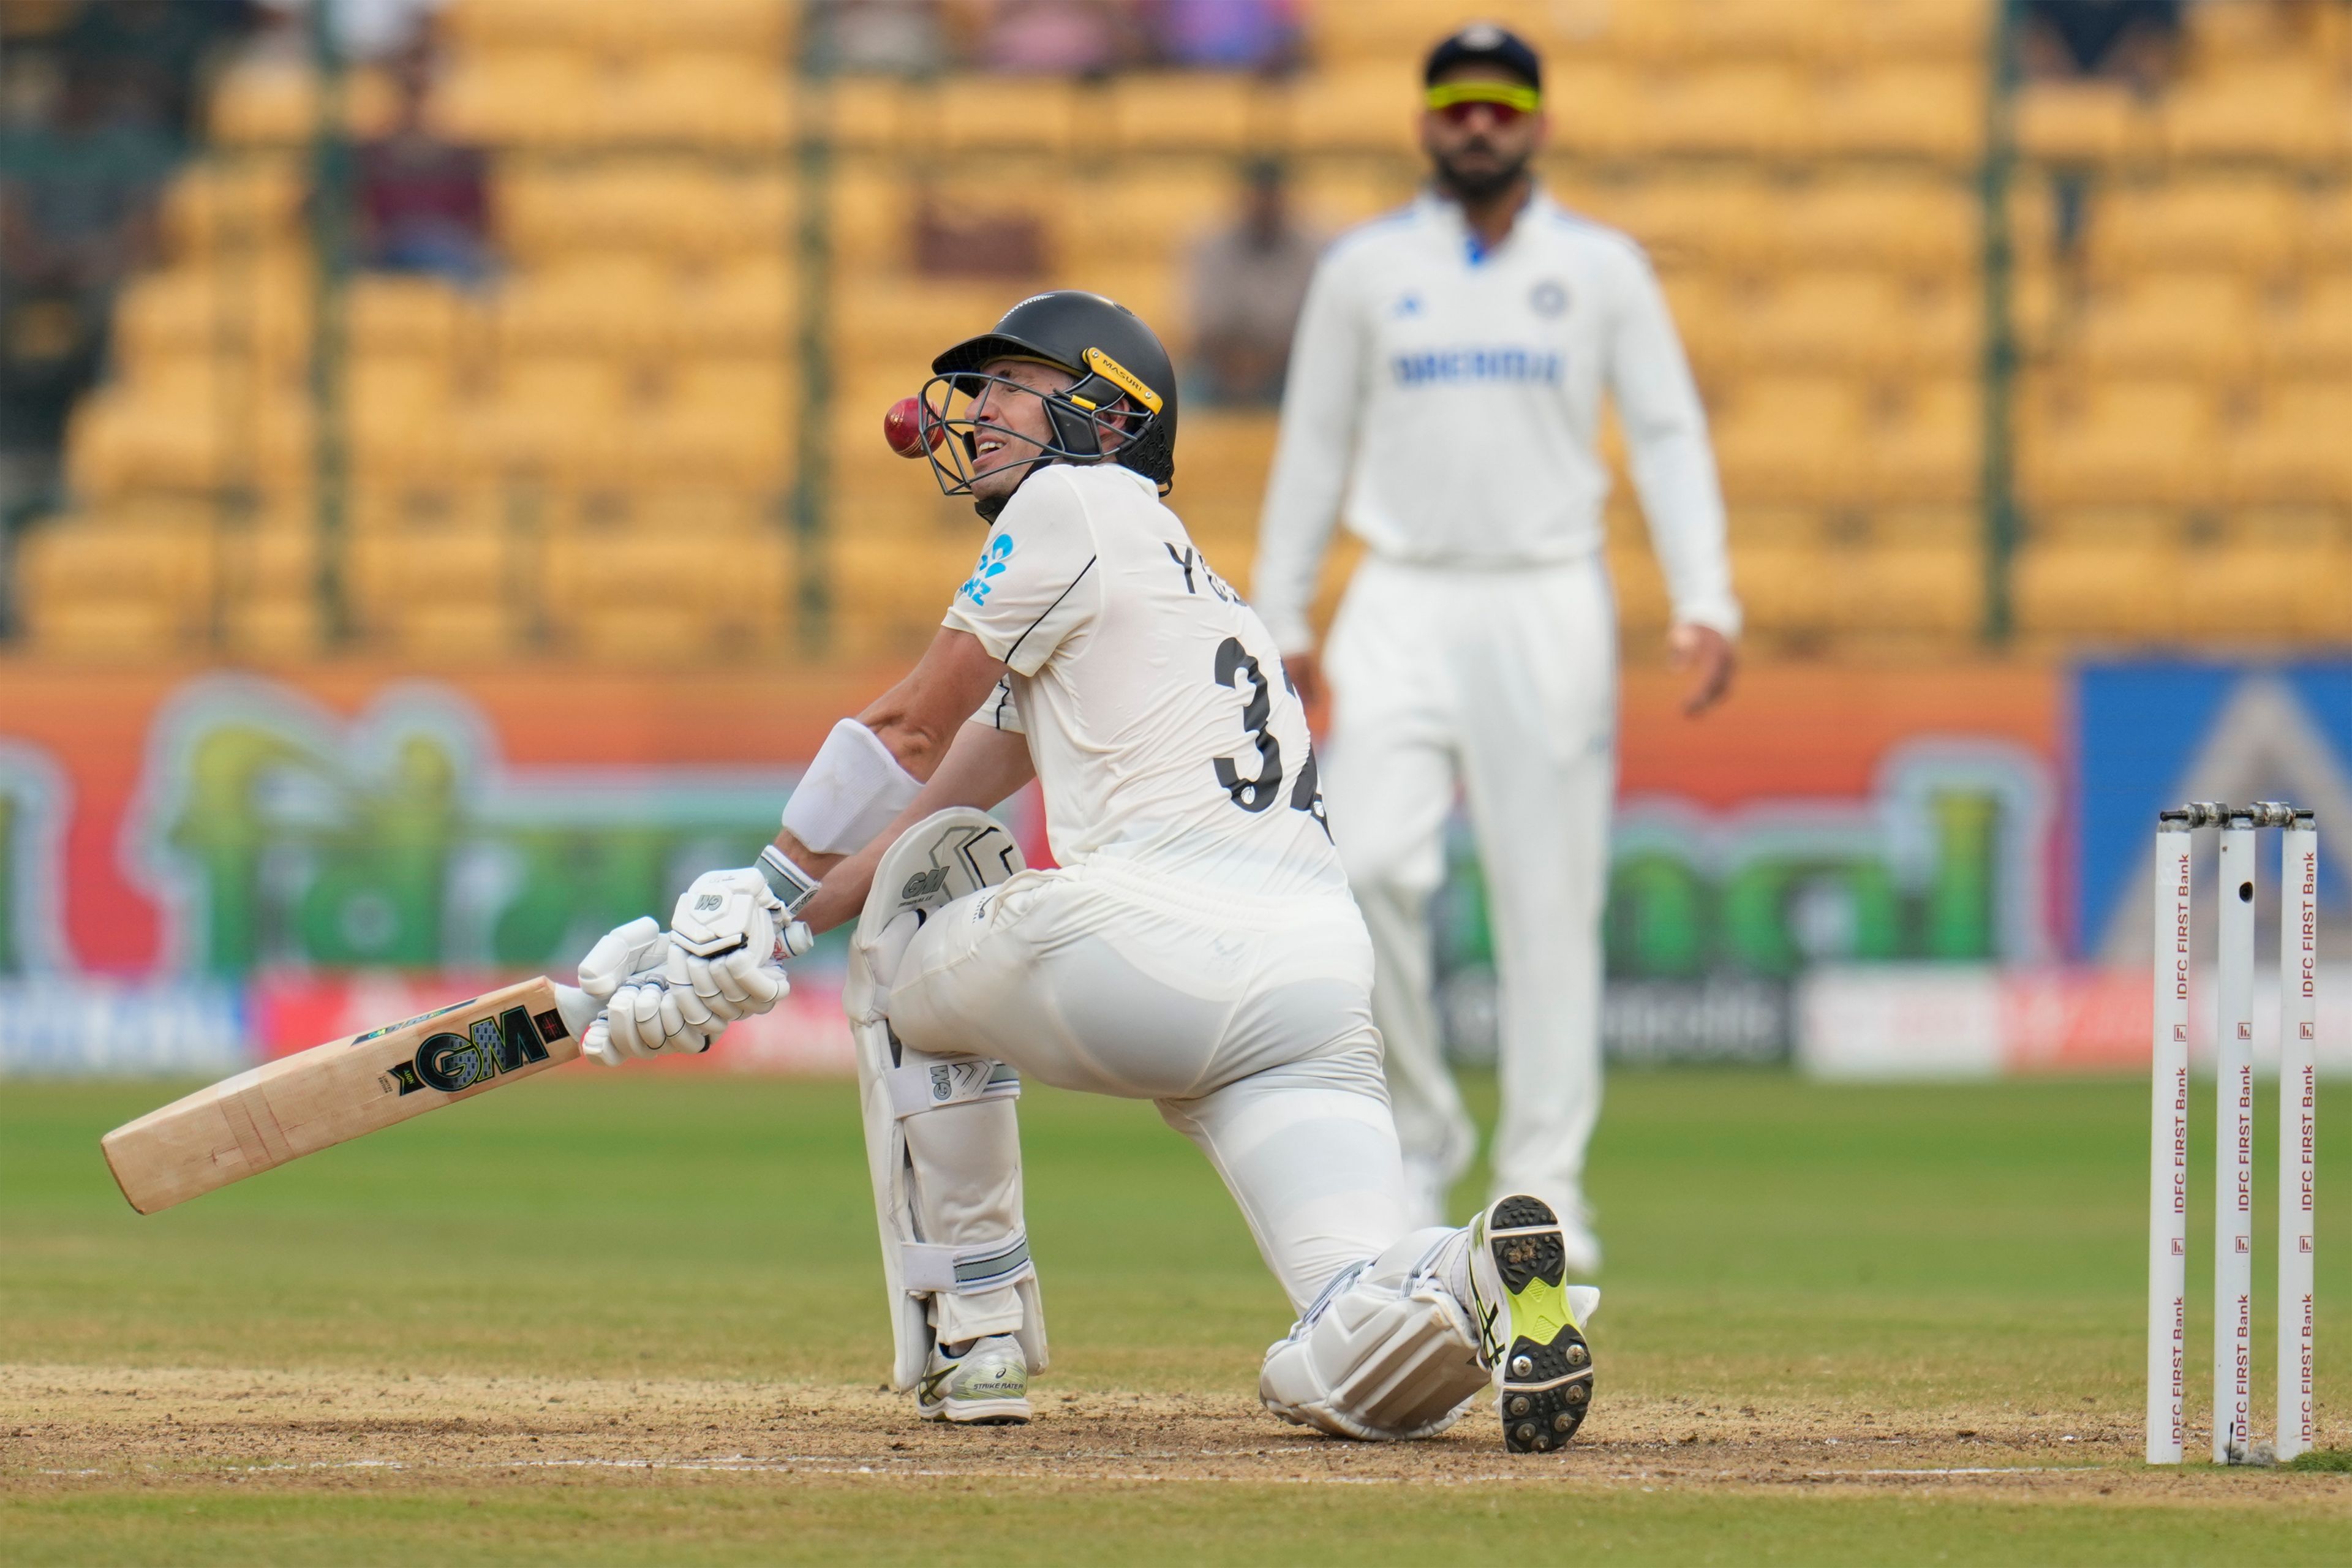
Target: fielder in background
(1445, 386)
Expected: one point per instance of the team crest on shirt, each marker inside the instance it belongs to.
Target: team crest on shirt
(1548, 297)
(991, 566)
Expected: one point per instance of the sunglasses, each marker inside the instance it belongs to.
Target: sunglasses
(1456, 101)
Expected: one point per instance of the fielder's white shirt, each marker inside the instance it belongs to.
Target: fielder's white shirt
(1163, 732)
(1451, 398)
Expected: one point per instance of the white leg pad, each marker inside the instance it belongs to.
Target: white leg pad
(962, 1168)
(1385, 1353)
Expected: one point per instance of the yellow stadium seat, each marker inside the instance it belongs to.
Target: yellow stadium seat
(1958, 30)
(901, 322)
(267, 558)
(2313, 334)
(1926, 441)
(2165, 321)
(609, 594)
(1354, 31)
(278, 627)
(1640, 585)
(2233, 34)
(104, 630)
(505, 25)
(274, 102)
(1359, 109)
(615, 302)
(870, 113)
(1895, 220)
(1718, 219)
(1035, 115)
(2323, 226)
(1675, 31)
(756, 29)
(2083, 122)
(2295, 450)
(2241, 219)
(436, 632)
(2097, 590)
(1339, 197)
(1151, 210)
(2257, 593)
(1927, 111)
(94, 559)
(1225, 456)
(406, 315)
(1789, 439)
(541, 98)
(387, 573)
(2119, 443)
(701, 99)
(263, 309)
(248, 201)
(2280, 112)
(1185, 110)
(675, 206)
(748, 306)
(1852, 317)
(123, 441)
(1750, 109)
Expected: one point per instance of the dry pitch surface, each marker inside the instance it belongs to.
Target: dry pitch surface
(1843, 1326)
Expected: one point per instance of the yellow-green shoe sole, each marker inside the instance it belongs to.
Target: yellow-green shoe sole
(1547, 1368)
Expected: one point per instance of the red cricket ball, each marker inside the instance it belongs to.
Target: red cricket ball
(903, 429)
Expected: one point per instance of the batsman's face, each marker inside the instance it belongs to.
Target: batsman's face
(1010, 428)
(1480, 148)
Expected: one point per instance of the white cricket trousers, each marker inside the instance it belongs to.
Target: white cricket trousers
(1506, 682)
(1247, 1020)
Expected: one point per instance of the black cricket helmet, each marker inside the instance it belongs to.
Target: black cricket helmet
(1121, 409)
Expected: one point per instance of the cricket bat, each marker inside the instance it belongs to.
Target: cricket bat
(333, 1094)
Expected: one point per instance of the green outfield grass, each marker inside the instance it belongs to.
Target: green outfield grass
(1883, 1252)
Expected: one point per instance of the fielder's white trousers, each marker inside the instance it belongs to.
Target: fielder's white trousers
(1505, 682)
(1247, 1021)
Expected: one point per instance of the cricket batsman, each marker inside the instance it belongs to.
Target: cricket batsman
(1443, 398)
(1196, 947)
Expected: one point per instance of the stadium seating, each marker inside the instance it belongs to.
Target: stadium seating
(625, 400)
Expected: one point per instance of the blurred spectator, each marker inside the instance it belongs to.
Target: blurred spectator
(1247, 284)
(363, 30)
(422, 204)
(953, 241)
(2133, 41)
(1226, 35)
(898, 38)
(77, 191)
(1051, 37)
(150, 53)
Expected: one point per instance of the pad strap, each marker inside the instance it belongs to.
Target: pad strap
(965, 1271)
(918, 1087)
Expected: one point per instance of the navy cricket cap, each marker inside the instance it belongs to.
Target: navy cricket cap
(1486, 43)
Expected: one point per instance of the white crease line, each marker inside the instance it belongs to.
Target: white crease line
(833, 1465)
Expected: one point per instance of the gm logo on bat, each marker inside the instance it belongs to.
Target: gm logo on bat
(450, 1062)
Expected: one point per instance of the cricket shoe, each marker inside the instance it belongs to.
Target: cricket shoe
(1513, 1278)
(987, 1385)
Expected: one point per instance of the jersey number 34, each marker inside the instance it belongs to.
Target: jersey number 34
(1255, 792)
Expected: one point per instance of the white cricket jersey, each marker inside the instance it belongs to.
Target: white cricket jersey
(1451, 398)
(1164, 734)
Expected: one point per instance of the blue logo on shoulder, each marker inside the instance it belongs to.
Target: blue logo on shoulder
(991, 566)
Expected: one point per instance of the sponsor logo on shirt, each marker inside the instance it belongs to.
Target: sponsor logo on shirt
(991, 566)
(1549, 298)
(1498, 363)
